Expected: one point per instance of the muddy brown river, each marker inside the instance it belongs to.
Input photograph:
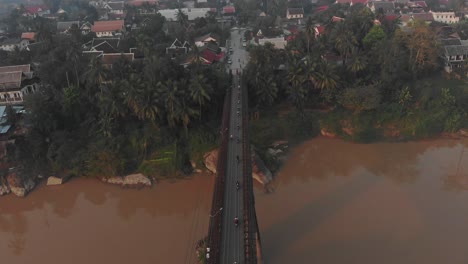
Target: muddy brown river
(333, 202)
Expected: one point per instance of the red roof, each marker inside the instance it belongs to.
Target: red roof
(35, 9)
(391, 17)
(111, 25)
(352, 2)
(229, 10)
(337, 19)
(111, 58)
(28, 35)
(321, 8)
(211, 56)
(141, 2)
(420, 3)
(320, 29)
(423, 16)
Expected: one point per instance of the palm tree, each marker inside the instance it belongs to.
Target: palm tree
(345, 41)
(323, 76)
(200, 91)
(179, 112)
(295, 90)
(358, 63)
(309, 32)
(182, 18)
(266, 88)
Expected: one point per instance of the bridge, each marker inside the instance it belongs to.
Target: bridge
(229, 243)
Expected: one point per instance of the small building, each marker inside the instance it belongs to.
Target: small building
(386, 7)
(352, 2)
(115, 7)
(294, 13)
(10, 44)
(65, 26)
(106, 45)
(177, 48)
(445, 17)
(228, 11)
(37, 10)
(455, 54)
(16, 82)
(86, 28)
(278, 43)
(110, 58)
(203, 40)
(192, 13)
(26, 39)
(108, 28)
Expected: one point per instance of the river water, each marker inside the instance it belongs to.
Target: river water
(333, 202)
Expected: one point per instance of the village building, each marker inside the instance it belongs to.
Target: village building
(455, 54)
(278, 43)
(108, 28)
(192, 13)
(294, 13)
(15, 83)
(445, 17)
(65, 26)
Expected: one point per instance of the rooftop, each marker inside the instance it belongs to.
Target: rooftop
(66, 25)
(21, 68)
(456, 50)
(10, 80)
(296, 11)
(112, 58)
(28, 35)
(116, 5)
(110, 25)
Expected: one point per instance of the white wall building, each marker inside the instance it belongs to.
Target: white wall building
(445, 17)
(192, 13)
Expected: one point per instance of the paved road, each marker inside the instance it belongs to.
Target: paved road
(232, 244)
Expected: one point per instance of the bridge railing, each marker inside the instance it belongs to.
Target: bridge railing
(215, 227)
(249, 217)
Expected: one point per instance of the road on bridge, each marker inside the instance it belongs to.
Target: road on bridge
(232, 244)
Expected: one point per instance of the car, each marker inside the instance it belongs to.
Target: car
(244, 44)
(229, 61)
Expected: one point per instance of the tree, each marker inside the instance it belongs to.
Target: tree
(344, 39)
(200, 91)
(421, 42)
(375, 35)
(309, 32)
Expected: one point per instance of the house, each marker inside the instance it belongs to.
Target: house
(139, 3)
(26, 39)
(426, 17)
(386, 7)
(294, 13)
(108, 28)
(16, 82)
(64, 27)
(455, 54)
(203, 40)
(106, 45)
(145, 7)
(352, 2)
(111, 58)
(228, 11)
(278, 43)
(115, 7)
(445, 17)
(86, 28)
(192, 13)
(10, 44)
(37, 10)
(177, 48)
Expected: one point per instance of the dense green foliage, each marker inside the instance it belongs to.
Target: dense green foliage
(150, 115)
(369, 81)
